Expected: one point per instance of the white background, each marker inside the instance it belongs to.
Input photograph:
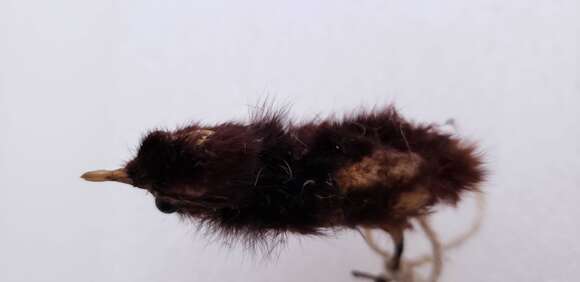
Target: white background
(80, 81)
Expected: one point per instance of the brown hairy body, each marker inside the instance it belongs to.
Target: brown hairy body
(267, 177)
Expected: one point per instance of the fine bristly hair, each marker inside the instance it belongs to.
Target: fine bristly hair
(258, 180)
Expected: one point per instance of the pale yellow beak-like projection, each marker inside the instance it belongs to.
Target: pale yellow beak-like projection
(118, 175)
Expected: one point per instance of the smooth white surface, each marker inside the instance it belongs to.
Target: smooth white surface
(81, 81)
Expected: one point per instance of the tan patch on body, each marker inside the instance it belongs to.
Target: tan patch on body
(204, 134)
(200, 136)
(385, 167)
(412, 201)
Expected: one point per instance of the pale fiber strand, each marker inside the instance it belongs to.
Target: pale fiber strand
(437, 248)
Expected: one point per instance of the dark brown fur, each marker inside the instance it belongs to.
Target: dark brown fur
(269, 177)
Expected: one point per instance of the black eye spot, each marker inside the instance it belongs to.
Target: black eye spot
(164, 206)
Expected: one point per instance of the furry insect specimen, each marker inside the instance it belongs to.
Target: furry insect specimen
(267, 177)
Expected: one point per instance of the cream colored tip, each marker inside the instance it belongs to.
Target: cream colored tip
(118, 175)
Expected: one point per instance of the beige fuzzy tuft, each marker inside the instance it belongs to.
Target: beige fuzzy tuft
(385, 167)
